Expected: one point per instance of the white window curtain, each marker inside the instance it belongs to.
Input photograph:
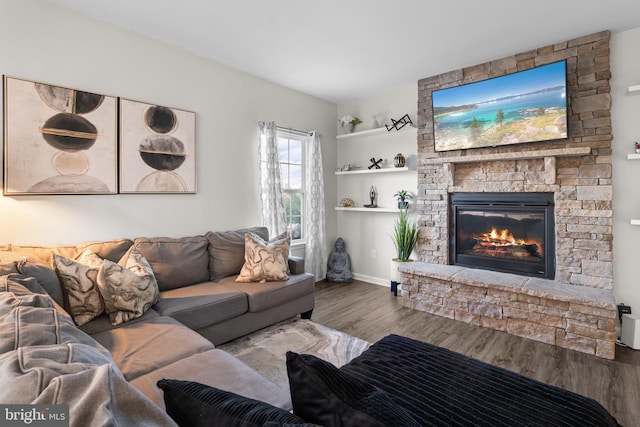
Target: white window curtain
(273, 214)
(314, 223)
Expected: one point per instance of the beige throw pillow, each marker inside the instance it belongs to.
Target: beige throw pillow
(79, 280)
(129, 288)
(265, 261)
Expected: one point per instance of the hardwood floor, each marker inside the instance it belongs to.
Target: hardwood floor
(371, 312)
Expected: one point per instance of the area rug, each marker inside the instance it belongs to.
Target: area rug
(265, 350)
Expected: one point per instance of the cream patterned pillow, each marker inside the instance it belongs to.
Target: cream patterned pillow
(129, 288)
(265, 261)
(79, 280)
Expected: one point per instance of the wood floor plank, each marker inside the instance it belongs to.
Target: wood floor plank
(371, 312)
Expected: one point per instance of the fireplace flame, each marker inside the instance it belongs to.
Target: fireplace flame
(502, 239)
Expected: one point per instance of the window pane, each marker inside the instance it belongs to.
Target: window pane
(293, 209)
(295, 176)
(284, 175)
(283, 150)
(295, 151)
(296, 204)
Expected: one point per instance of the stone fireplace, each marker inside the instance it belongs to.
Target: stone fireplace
(563, 293)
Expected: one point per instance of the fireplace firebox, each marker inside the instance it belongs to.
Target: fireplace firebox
(508, 232)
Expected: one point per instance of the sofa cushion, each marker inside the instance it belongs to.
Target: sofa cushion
(226, 250)
(29, 319)
(45, 359)
(112, 250)
(265, 261)
(219, 369)
(191, 403)
(263, 296)
(142, 347)
(80, 376)
(128, 288)
(202, 305)
(176, 262)
(22, 285)
(323, 394)
(80, 283)
(13, 262)
(103, 323)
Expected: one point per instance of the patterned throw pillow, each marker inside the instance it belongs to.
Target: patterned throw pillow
(79, 280)
(129, 288)
(265, 261)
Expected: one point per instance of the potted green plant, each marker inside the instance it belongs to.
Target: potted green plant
(403, 196)
(405, 237)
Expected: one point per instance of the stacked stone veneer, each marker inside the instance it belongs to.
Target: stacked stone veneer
(582, 190)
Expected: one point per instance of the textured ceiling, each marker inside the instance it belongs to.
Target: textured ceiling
(341, 50)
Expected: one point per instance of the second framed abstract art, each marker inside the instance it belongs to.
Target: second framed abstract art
(157, 149)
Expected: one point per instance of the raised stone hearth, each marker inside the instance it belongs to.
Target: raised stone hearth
(540, 309)
(575, 310)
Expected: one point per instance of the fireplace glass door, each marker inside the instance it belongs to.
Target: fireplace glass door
(510, 232)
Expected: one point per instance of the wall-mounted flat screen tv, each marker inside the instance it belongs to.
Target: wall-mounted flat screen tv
(525, 106)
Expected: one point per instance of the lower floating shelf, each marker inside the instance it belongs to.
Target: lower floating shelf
(375, 210)
(635, 222)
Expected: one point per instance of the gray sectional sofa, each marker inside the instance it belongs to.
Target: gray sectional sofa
(200, 306)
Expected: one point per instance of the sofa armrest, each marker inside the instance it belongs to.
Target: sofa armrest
(296, 264)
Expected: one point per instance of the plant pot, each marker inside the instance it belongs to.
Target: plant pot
(395, 276)
(348, 127)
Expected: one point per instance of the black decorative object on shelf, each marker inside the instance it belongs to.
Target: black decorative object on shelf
(399, 124)
(375, 163)
(372, 196)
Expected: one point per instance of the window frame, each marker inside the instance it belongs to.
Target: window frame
(286, 191)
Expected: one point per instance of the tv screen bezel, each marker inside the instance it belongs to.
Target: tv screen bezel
(482, 82)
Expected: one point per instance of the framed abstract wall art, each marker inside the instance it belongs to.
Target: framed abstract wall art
(58, 140)
(157, 149)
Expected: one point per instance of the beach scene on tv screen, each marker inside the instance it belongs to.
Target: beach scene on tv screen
(521, 107)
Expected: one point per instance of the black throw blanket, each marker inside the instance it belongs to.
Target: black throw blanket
(439, 387)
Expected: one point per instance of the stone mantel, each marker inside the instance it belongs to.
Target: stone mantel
(549, 157)
(516, 155)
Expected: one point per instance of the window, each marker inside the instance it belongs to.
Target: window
(291, 172)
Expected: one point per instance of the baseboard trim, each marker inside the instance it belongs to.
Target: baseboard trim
(371, 279)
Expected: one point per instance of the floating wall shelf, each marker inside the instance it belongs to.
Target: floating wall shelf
(372, 210)
(634, 156)
(633, 90)
(381, 170)
(371, 132)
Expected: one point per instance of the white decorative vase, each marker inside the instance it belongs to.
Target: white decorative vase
(348, 127)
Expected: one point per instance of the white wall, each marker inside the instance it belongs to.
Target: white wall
(43, 43)
(625, 117)
(366, 232)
